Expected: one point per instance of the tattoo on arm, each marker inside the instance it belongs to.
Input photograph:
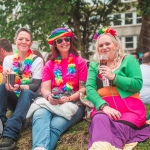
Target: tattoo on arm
(82, 84)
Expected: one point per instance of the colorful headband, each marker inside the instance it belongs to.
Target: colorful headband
(105, 31)
(59, 32)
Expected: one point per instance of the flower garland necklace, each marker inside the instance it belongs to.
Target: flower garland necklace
(22, 76)
(71, 72)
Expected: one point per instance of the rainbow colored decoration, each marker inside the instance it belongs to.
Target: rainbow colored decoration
(25, 76)
(71, 72)
(105, 31)
(59, 32)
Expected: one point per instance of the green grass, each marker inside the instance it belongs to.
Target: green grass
(76, 138)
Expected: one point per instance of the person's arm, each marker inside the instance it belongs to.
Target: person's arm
(91, 87)
(129, 77)
(46, 86)
(6, 67)
(82, 72)
(76, 95)
(33, 86)
(36, 80)
(46, 89)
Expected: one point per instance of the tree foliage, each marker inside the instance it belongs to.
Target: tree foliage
(43, 16)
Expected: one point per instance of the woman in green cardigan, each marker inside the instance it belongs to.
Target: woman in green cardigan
(119, 116)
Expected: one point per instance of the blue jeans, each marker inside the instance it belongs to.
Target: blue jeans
(20, 107)
(47, 127)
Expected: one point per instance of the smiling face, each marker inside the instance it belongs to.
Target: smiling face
(63, 44)
(107, 47)
(23, 41)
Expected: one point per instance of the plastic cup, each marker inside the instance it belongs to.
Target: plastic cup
(11, 78)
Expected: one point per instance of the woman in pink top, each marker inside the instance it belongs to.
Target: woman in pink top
(63, 79)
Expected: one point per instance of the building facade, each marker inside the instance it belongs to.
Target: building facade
(128, 26)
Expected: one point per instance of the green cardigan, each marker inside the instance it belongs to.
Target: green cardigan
(128, 80)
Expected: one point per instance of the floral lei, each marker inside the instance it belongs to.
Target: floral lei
(26, 72)
(71, 72)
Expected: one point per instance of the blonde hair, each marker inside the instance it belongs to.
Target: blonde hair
(116, 41)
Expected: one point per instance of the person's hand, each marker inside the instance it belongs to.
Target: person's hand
(112, 113)
(52, 100)
(11, 88)
(64, 99)
(6, 72)
(107, 72)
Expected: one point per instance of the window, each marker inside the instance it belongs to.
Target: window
(129, 43)
(138, 18)
(117, 19)
(128, 18)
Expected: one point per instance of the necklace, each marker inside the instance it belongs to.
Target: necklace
(71, 72)
(23, 76)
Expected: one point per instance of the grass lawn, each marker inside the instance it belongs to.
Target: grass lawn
(76, 138)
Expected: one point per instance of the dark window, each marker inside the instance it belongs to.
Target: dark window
(129, 42)
(129, 18)
(117, 20)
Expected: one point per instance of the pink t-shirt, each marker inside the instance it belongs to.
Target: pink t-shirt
(81, 71)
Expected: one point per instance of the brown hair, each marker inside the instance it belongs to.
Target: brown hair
(48, 56)
(146, 59)
(23, 29)
(5, 45)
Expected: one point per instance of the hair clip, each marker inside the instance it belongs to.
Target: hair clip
(105, 31)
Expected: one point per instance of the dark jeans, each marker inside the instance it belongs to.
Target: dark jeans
(19, 106)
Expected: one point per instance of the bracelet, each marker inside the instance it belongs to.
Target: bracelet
(47, 95)
(102, 106)
(114, 78)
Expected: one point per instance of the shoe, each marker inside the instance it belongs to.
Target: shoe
(7, 144)
(1, 128)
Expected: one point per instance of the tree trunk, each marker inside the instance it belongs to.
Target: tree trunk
(144, 37)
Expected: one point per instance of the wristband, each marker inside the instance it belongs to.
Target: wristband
(102, 106)
(114, 78)
(47, 95)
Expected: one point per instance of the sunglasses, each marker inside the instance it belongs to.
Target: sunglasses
(60, 40)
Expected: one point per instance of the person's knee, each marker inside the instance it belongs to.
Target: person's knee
(27, 92)
(28, 95)
(100, 116)
(40, 113)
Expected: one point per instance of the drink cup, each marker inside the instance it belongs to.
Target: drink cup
(103, 60)
(11, 78)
